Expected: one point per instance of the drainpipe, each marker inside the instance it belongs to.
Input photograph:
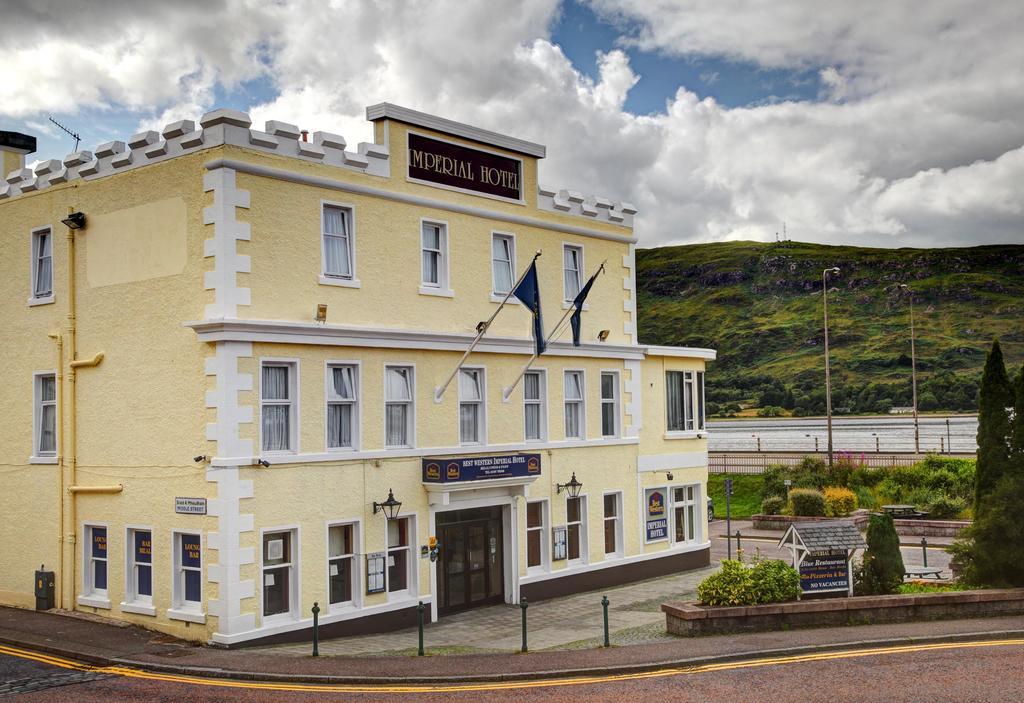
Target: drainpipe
(59, 341)
(71, 457)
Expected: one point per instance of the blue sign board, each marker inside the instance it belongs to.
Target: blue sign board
(657, 520)
(480, 468)
(824, 573)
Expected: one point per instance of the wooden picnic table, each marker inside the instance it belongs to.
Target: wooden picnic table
(922, 572)
(904, 511)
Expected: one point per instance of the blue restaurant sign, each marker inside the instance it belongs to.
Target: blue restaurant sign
(480, 468)
(823, 573)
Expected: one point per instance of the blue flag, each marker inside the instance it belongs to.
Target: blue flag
(577, 302)
(528, 293)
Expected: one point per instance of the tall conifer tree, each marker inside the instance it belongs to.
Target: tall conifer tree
(994, 397)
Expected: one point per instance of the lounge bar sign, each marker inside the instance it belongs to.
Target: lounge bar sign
(823, 573)
(438, 162)
(480, 468)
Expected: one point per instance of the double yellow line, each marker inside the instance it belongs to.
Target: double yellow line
(503, 685)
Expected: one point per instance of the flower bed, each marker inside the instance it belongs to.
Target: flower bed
(691, 619)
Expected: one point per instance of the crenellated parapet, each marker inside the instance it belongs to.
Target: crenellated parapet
(593, 207)
(216, 128)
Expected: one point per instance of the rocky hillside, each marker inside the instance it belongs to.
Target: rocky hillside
(760, 305)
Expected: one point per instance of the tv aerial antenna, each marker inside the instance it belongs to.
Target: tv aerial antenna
(74, 135)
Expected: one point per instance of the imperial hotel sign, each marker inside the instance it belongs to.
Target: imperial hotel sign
(443, 163)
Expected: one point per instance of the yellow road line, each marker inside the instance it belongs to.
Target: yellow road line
(127, 672)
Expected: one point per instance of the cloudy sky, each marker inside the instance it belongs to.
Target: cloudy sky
(883, 123)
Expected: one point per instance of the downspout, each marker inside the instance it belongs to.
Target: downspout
(59, 340)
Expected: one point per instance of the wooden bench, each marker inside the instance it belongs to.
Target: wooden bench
(921, 572)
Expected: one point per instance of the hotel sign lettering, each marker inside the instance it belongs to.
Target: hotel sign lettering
(480, 468)
(657, 520)
(438, 162)
(823, 573)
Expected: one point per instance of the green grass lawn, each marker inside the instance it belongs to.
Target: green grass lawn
(746, 494)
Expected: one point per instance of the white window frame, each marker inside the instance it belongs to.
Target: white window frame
(412, 567)
(481, 404)
(498, 296)
(357, 563)
(617, 519)
(356, 404)
(614, 401)
(583, 522)
(579, 271)
(688, 408)
(693, 505)
(545, 536)
(582, 404)
(328, 279)
(443, 286)
(701, 409)
(134, 602)
(294, 575)
(411, 416)
(293, 403)
(37, 456)
(34, 257)
(92, 596)
(181, 609)
(541, 403)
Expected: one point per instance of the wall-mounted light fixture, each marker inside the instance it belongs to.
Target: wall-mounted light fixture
(201, 458)
(264, 463)
(75, 220)
(669, 476)
(321, 313)
(572, 488)
(391, 507)
(602, 336)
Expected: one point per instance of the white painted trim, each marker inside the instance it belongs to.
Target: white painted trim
(350, 281)
(178, 602)
(94, 601)
(683, 434)
(32, 268)
(222, 247)
(43, 460)
(357, 429)
(580, 273)
(668, 462)
(544, 428)
(545, 537)
(583, 405)
(292, 364)
(480, 194)
(419, 201)
(91, 596)
(47, 300)
(339, 282)
(426, 452)
(616, 400)
(437, 292)
(483, 408)
(412, 577)
(584, 522)
(284, 332)
(500, 234)
(294, 576)
(357, 566)
(187, 615)
(385, 110)
(634, 386)
(683, 548)
(685, 352)
(620, 518)
(37, 411)
(143, 603)
(138, 608)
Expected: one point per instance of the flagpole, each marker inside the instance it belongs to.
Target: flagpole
(481, 330)
(507, 392)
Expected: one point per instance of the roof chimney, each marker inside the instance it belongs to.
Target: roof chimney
(13, 147)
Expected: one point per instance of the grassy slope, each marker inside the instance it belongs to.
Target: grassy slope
(746, 494)
(759, 304)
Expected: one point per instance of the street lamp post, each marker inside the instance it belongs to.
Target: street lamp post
(913, 368)
(828, 373)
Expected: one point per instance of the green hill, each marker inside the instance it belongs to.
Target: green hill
(759, 305)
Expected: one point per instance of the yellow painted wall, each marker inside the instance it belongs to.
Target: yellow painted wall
(652, 438)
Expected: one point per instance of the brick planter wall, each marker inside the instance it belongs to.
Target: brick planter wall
(907, 528)
(690, 619)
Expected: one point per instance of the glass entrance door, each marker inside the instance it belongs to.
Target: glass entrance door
(471, 565)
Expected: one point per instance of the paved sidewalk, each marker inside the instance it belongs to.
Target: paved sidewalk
(105, 645)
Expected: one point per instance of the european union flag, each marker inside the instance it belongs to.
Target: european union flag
(528, 293)
(577, 302)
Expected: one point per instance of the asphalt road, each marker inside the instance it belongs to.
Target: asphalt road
(962, 672)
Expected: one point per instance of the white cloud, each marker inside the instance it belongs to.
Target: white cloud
(916, 140)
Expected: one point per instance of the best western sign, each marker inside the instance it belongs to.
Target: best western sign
(450, 165)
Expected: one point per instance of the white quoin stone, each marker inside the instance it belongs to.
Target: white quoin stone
(329, 141)
(179, 128)
(225, 116)
(78, 158)
(49, 166)
(144, 139)
(109, 149)
(282, 129)
(19, 174)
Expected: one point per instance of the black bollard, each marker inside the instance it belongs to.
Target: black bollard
(523, 605)
(604, 604)
(420, 608)
(924, 551)
(316, 629)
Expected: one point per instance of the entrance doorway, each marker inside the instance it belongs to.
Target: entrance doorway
(470, 572)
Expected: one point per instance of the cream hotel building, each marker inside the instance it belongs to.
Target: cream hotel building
(224, 351)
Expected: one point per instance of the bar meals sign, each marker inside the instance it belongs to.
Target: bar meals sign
(448, 165)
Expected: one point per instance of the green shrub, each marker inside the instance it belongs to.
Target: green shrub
(839, 502)
(865, 498)
(773, 505)
(769, 581)
(866, 477)
(806, 501)
(770, 411)
(774, 581)
(945, 507)
(881, 570)
(811, 472)
(774, 475)
(730, 586)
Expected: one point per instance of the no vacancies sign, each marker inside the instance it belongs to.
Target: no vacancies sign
(825, 573)
(438, 162)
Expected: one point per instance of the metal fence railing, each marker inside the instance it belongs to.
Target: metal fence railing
(756, 462)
